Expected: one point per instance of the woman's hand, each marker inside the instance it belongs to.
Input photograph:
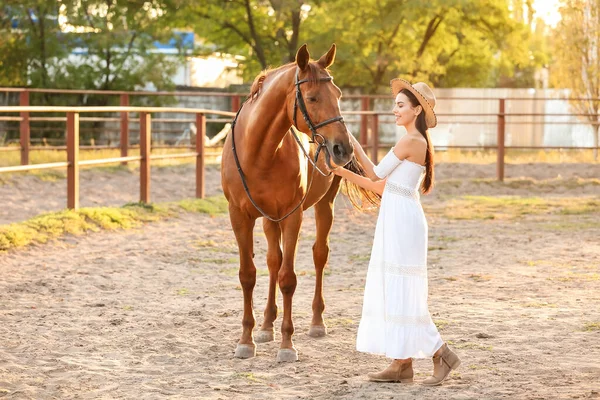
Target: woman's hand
(362, 158)
(354, 140)
(341, 171)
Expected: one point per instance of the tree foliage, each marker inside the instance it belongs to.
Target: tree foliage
(85, 44)
(447, 43)
(264, 33)
(576, 50)
(444, 42)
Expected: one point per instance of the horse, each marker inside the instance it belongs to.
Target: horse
(267, 171)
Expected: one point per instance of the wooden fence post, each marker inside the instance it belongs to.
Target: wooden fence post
(375, 138)
(24, 128)
(235, 103)
(200, 137)
(145, 139)
(124, 139)
(73, 160)
(500, 144)
(364, 121)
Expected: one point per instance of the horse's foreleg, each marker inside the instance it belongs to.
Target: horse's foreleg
(290, 228)
(324, 221)
(274, 259)
(242, 227)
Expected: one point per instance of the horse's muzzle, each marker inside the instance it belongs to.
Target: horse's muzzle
(340, 152)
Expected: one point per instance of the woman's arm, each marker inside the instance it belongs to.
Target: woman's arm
(363, 159)
(361, 181)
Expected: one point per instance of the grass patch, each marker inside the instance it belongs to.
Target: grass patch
(545, 185)
(562, 265)
(359, 257)
(228, 247)
(513, 207)
(588, 207)
(568, 226)
(247, 375)
(448, 239)
(514, 156)
(50, 175)
(441, 324)
(477, 367)
(11, 158)
(432, 248)
(577, 277)
(236, 270)
(540, 305)
(212, 205)
(53, 225)
(221, 261)
(474, 346)
(480, 278)
(592, 326)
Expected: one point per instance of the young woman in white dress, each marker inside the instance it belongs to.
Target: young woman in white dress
(395, 317)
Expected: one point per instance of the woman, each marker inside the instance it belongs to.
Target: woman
(395, 318)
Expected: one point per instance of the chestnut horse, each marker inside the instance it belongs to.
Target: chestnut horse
(265, 172)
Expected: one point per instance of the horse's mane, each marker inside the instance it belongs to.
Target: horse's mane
(313, 77)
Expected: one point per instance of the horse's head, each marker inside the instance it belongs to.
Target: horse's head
(314, 106)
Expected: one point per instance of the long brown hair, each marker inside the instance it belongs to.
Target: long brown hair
(421, 126)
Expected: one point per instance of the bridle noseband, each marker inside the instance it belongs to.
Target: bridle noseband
(317, 138)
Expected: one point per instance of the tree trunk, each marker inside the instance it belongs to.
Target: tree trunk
(596, 140)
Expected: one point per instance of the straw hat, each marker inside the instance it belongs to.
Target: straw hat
(423, 93)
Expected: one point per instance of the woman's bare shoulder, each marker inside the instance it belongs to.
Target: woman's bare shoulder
(411, 142)
(410, 147)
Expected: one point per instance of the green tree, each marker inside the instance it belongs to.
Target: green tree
(444, 42)
(576, 50)
(32, 51)
(264, 32)
(114, 38)
(118, 40)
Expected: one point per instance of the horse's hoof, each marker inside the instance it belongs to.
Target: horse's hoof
(264, 336)
(287, 355)
(245, 351)
(317, 331)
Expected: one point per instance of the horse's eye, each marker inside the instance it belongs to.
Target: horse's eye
(312, 99)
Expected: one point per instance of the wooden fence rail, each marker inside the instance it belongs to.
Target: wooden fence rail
(368, 134)
(145, 120)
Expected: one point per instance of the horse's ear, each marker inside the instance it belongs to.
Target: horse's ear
(302, 57)
(328, 58)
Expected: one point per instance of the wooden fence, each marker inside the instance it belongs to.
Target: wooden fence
(368, 132)
(73, 163)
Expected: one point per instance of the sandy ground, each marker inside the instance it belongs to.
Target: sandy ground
(156, 312)
(25, 196)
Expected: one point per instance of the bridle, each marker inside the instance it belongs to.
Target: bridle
(317, 138)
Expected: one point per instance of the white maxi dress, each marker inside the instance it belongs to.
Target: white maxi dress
(395, 317)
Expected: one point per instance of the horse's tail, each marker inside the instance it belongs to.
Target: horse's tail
(361, 199)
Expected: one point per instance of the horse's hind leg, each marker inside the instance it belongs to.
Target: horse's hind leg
(324, 221)
(274, 258)
(242, 227)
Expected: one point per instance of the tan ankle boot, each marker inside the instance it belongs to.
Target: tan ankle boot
(394, 373)
(443, 364)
